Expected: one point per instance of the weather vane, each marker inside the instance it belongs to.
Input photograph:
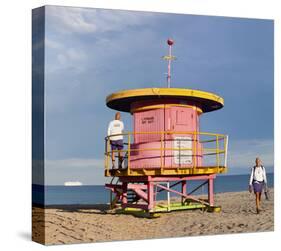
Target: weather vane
(169, 58)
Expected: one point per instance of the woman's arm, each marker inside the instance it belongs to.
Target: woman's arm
(251, 177)
(264, 176)
(251, 180)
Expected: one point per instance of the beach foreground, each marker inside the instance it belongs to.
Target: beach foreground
(77, 224)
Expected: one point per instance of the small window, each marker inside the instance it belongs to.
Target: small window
(182, 117)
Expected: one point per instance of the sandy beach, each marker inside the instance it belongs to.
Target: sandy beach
(77, 224)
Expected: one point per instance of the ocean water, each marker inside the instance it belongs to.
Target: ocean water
(88, 195)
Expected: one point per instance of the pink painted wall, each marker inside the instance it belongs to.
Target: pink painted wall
(171, 118)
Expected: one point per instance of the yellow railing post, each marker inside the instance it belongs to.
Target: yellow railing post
(107, 155)
(129, 151)
(161, 152)
(225, 149)
(195, 149)
(217, 151)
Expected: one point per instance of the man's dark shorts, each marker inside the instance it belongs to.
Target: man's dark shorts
(116, 144)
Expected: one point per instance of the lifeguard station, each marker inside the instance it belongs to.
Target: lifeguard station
(166, 148)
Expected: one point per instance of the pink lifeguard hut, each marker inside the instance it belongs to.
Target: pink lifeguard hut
(166, 148)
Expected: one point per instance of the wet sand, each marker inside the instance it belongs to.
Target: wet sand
(96, 223)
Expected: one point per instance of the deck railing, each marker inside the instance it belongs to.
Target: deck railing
(213, 148)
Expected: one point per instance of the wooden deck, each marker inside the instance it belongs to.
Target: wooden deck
(165, 171)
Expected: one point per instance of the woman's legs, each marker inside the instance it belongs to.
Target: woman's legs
(258, 198)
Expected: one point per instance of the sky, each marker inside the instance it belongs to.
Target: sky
(91, 53)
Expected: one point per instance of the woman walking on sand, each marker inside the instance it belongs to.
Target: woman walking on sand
(258, 182)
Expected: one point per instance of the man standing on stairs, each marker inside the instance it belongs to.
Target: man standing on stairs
(115, 130)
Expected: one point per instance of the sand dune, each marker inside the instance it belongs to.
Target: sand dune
(76, 224)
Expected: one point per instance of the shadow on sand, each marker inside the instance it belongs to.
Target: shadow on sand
(80, 208)
(101, 209)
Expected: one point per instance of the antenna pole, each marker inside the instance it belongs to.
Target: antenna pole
(169, 58)
(169, 67)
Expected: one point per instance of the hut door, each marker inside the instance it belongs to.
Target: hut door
(167, 137)
(182, 122)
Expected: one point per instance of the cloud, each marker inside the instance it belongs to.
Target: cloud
(84, 66)
(86, 171)
(52, 44)
(61, 56)
(242, 153)
(87, 20)
(70, 56)
(81, 38)
(75, 163)
(70, 19)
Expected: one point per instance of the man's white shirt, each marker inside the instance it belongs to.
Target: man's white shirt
(115, 127)
(258, 174)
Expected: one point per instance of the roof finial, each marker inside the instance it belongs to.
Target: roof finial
(170, 57)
